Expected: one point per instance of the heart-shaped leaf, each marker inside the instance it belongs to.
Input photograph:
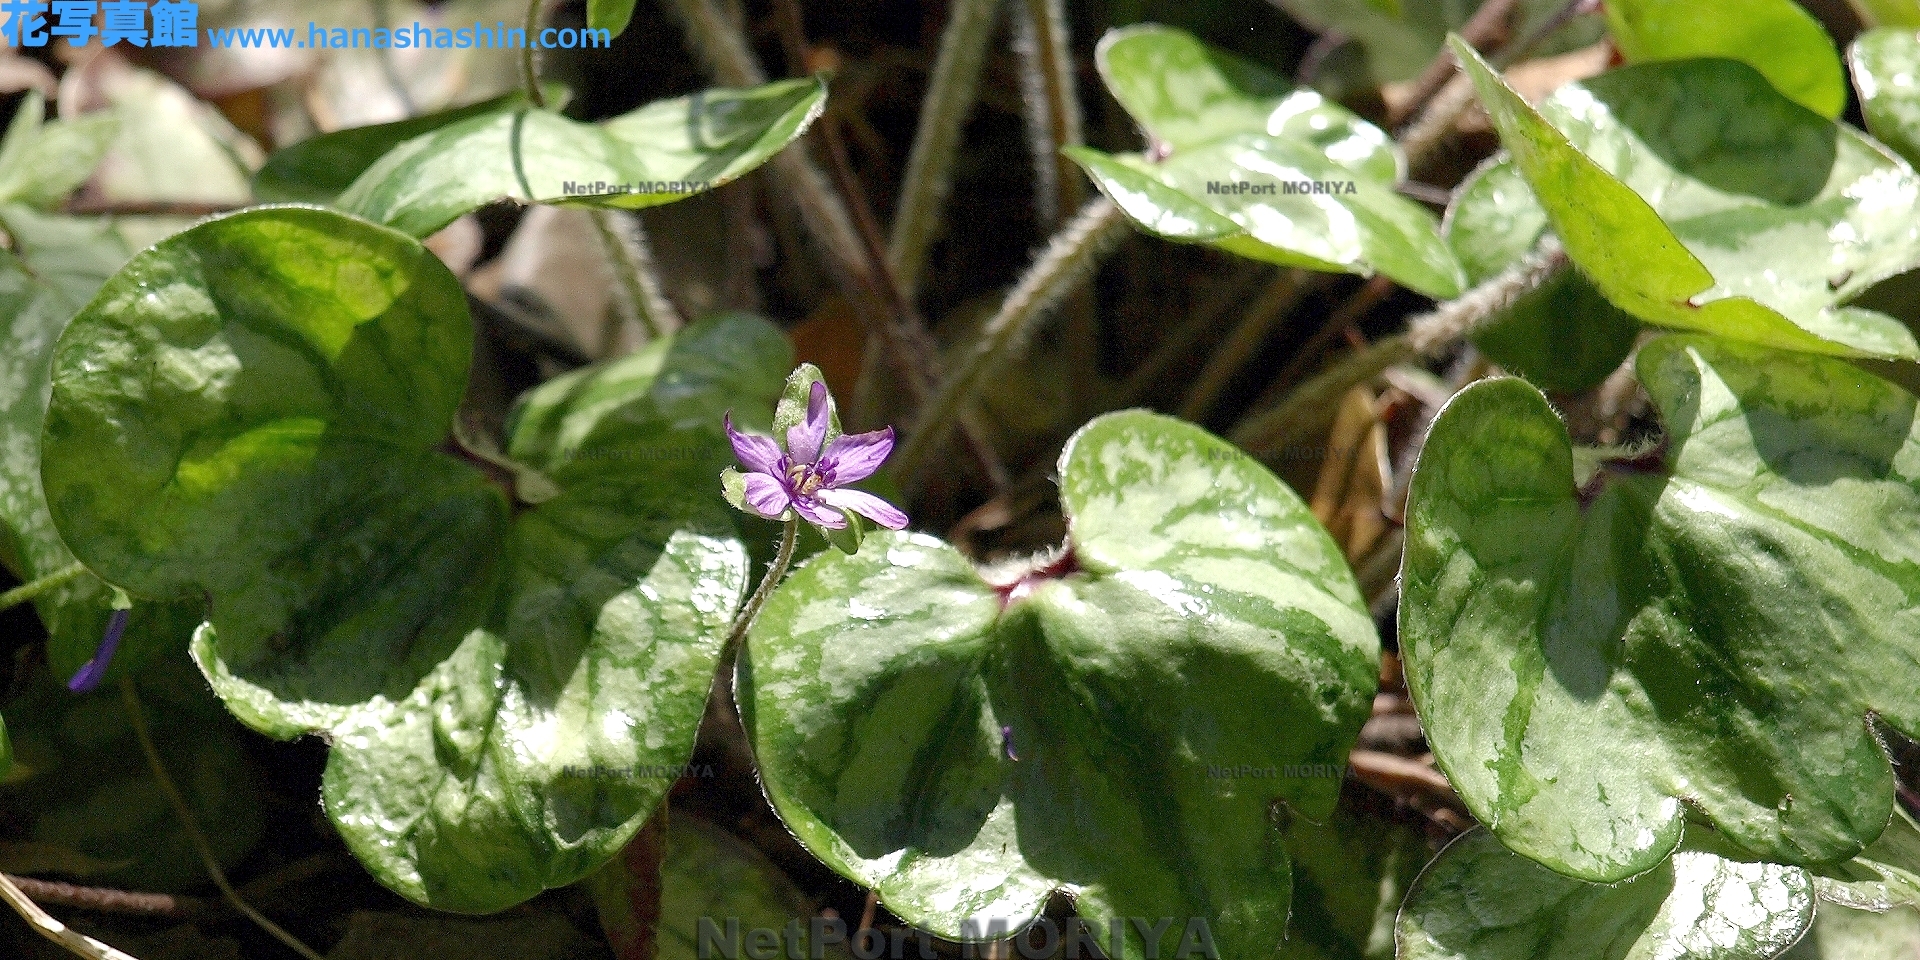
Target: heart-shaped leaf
(1241, 160)
(251, 412)
(1886, 71)
(1564, 336)
(1776, 37)
(1119, 722)
(320, 169)
(1480, 901)
(660, 153)
(1706, 628)
(1696, 196)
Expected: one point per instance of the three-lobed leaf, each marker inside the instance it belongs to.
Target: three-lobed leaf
(1121, 733)
(252, 412)
(1702, 631)
(1696, 196)
(660, 153)
(1240, 159)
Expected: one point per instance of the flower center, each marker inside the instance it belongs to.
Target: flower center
(805, 479)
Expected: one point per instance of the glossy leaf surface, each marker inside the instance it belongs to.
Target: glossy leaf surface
(660, 153)
(1776, 37)
(251, 412)
(1119, 733)
(1695, 196)
(1711, 624)
(1563, 336)
(1240, 159)
(1886, 71)
(1480, 901)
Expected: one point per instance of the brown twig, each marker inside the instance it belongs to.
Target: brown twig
(106, 900)
(1481, 30)
(1401, 777)
(148, 208)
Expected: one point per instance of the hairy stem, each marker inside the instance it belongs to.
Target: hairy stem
(529, 75)
(137, 716)
(34, 589)
(943, 116)
(1310, 406)
(625, 241)
(776, 571)
(1053, 105)
(1069, 259)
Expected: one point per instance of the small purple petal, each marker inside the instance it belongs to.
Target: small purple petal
(818, 514)
(804, 439)
(855, 456)
(767, 496)
(758, 454)
(866, 505)
(90, 675)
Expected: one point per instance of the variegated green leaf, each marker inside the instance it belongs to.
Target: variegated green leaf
(1117, 722)
(1695, 196)
(1705, 628)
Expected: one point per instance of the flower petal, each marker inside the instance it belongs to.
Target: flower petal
(819, 514)
(866, 505)
(757, 453)
(766, 496)
(855, 456)
(95, 670)
(804, 439)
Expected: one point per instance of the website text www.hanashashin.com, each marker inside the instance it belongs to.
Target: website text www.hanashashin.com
(176, 23)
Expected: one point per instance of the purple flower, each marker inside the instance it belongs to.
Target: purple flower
(90, 675)
(811, 475)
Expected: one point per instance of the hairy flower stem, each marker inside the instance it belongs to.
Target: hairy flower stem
(529, 75)
(44, 924)
(1069, 259)
(137, 717)
(625, 241)
(718, 41)
(943, 116)
(776, 571)
(34, 589)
